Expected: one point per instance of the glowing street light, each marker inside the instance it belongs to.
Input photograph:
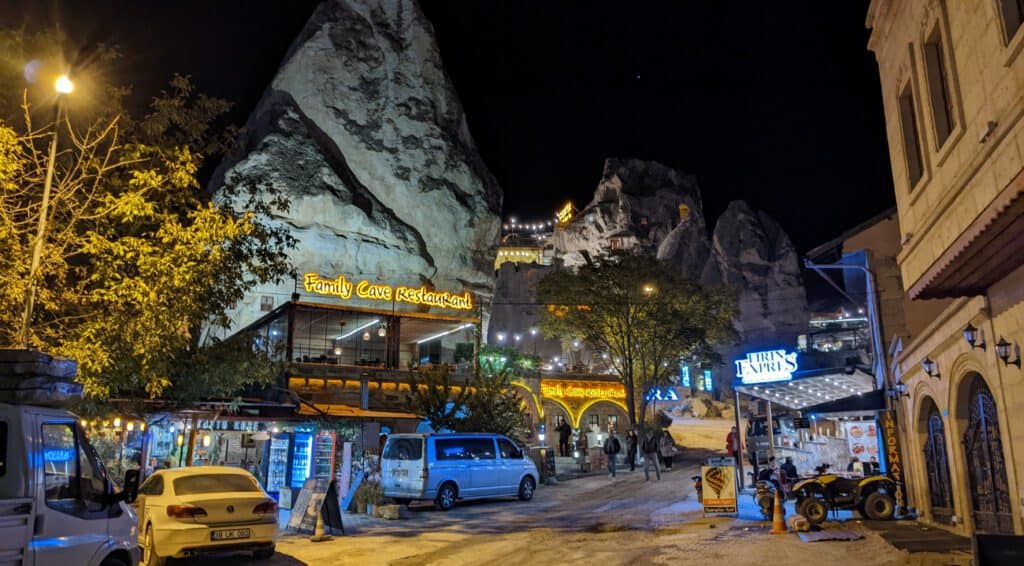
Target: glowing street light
(63, 85)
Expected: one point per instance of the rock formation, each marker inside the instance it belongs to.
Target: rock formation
(363, 131)
(637, 203)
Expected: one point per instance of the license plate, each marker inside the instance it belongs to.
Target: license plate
(400, 473)
(231, 534)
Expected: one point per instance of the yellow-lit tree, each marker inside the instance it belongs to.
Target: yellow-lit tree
(640, 314)
(133, 255)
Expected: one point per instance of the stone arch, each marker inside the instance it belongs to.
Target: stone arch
(981, 425)
(559, 408)
(932, 443)
(532, 401)
(604, 408)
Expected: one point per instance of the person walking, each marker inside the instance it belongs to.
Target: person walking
(732, 444)
(564, 432)
(667, 448)
(650, 448)
(611, 448)
(632, 442)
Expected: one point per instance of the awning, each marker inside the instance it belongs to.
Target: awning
(865, 403)
(813, 387)
(350, 412)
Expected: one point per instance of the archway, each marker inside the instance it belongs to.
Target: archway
(936, 461)
(600, 414)
(986, 467)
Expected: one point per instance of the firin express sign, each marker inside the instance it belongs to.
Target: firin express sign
(765, 367)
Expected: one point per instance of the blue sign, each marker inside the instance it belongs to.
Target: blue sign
(684, 375)
(766, 367)
(708, 383)
(58, 454)
(662, 394)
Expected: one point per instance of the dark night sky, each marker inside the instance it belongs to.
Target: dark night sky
(777, 103)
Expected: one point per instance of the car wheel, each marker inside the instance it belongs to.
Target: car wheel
(813, 510)
(149, 555)
(879, 506)
(113, 561)
(446, 497)
(264, 553)
(526, 488)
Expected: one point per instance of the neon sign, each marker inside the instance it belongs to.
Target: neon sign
(345, 289)
(662, 394)
(564, 215)
(582, 390)
(764, 367)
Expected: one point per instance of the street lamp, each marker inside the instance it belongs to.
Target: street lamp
(63, 86)
(533, 332)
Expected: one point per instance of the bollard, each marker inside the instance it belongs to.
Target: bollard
(778, 519)
(318, 532)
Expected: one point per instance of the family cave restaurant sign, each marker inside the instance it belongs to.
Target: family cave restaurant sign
(766, 367)
(344, 289)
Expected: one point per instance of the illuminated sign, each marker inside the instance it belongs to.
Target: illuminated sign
(582, 390)
(345, 289)
(764, 367)
(662, 394)
(684, 375)
(709, 384)
(564, 215)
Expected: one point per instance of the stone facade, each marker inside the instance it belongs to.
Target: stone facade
(959, 91)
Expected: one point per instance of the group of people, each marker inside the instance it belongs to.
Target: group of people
(657, 447)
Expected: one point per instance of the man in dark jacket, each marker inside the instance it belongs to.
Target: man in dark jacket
(611, 449)
(564, 433)
(632, 442)
(650, 448)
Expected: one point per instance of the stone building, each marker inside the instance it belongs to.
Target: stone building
(952, 77)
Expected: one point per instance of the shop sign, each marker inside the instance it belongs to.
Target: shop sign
(719, 488)
(765, 367)
(345, 290)
(862, 439)
(564, 214)
(662, 394)
(582, 390)
(893, 456)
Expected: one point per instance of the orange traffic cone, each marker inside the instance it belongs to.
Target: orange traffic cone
(778, 519)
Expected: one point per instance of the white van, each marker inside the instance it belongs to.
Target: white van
(445, 467)
(57, 505)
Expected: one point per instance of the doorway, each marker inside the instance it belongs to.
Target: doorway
(986, 468)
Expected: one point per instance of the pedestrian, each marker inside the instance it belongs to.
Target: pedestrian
(650, 448)
(667, 448)
(631, 447)
(732, 444)
(611, 448)
(564, 432)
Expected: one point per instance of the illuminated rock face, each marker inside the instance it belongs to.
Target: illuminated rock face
(363, 131)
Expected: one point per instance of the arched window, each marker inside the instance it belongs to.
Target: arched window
(940, 492)
(990, 492)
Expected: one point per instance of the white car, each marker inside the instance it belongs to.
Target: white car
(186, 512)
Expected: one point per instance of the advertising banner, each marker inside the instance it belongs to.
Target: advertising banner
(719, 484)
(862, 438)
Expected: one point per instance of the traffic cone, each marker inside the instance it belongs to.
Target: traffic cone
(778, 519)
(318, 532)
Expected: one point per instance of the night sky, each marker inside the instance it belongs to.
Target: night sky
(776, 103)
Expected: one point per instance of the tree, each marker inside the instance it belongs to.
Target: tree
(434, 398)
(639, 313)
(493, 404)
(135, 256)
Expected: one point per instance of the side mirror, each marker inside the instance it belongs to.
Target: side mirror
(131, 486)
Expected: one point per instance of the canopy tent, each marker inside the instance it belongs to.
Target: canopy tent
(813, 387)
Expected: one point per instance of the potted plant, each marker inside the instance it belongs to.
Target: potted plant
(374, 497)
(360, 499)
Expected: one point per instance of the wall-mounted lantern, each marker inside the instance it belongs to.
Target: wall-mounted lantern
(930, 367)
(974, 337)
(1003, 351)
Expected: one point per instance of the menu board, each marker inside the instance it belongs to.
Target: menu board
(862, 438)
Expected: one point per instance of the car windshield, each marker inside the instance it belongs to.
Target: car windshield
(404, 449)
(213, 483)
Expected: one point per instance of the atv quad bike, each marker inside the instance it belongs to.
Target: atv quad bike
(872, 497)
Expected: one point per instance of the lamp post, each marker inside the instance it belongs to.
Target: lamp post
(63, 86)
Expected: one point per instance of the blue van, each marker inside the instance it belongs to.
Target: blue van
(446, 467)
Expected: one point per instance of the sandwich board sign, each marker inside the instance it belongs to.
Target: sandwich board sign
(718, 479)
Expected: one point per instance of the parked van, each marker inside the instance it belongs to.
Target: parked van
(57, 505)
(445, 467)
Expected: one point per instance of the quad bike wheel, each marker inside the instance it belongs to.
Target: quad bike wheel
(813, 510)
(879, 506)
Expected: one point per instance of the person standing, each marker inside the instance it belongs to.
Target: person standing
(611, 448)
(650, 448)
(564, 433)
(667, 448)
(732, 444)
(632, 442)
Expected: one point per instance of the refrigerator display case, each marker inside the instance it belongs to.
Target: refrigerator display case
(302, 459)
(277, 462)
(323, 456)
